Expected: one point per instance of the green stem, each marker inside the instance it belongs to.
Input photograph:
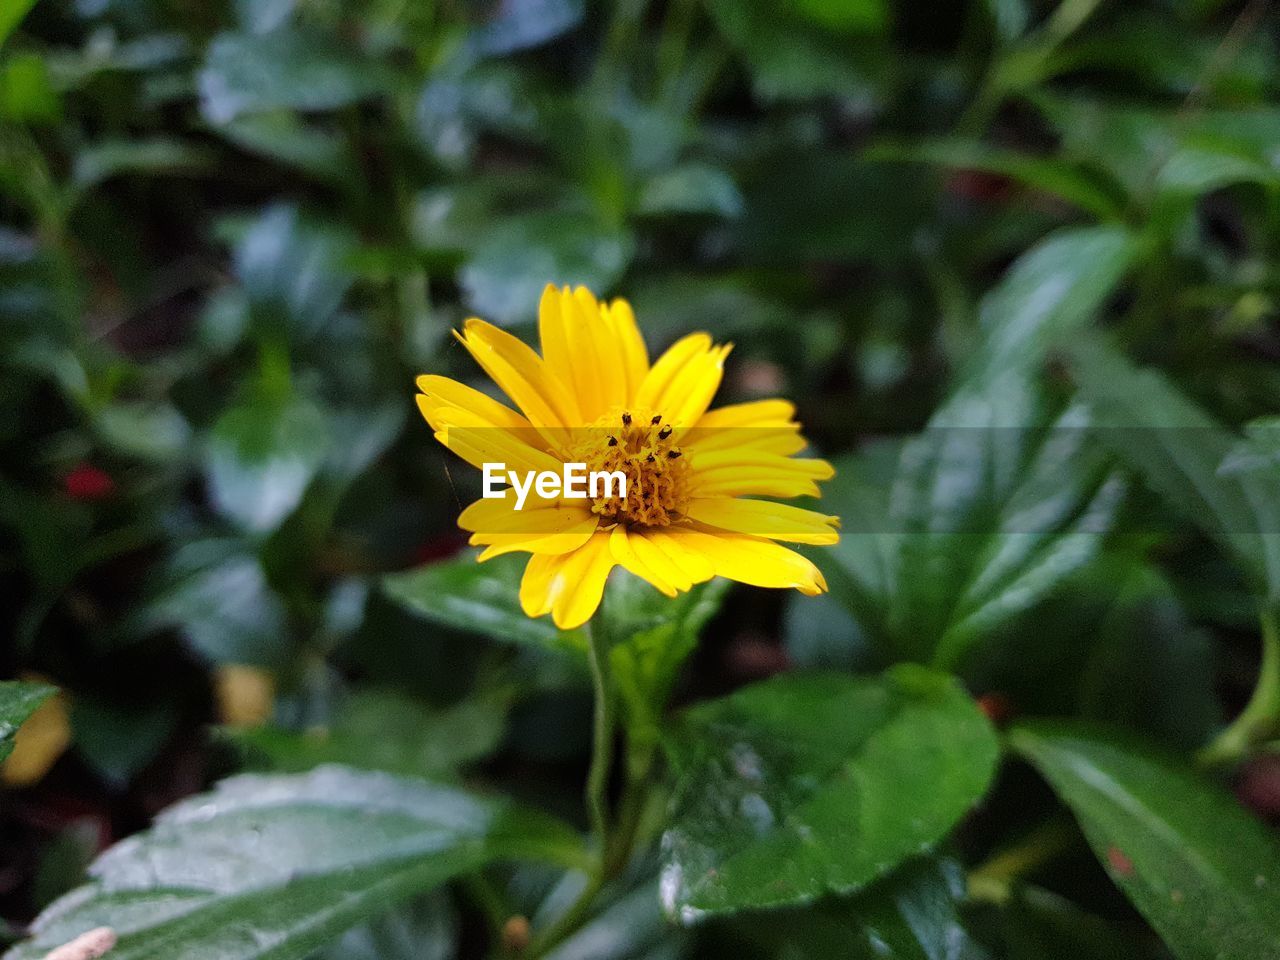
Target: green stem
(596, 796)
(1261, 716)
(992, 882)
(601, 737)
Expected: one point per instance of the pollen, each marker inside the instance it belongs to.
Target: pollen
(640, 445)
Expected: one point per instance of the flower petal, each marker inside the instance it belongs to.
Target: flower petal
(569, 586)
(522, 375)
(762, 518)
(752, 560)
(694, 567)
(631, 346)
(535, 585)
(756, 413)
(581, 347)
(441, 392)
(746, 473)
(478, 441)
(682, 384)
(577, 586)
(623, 546)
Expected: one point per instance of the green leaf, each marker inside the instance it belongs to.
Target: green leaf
(246, 74)
(691, 188)
(276, 866)
(1198, 866)
(425, 928)
(1149, 150)
(654, 644)
(18, 700)
(26, 91)
(503, 279)
(1050, 293)
(1050, 175)
(1179, 451)
(261, 456)
(851, 15)
(812, 784)
(284, 136)
(11, 15)
(216, 594)
(521, 24)
(295, 272)
(999, 502)
(913, 914)
(792, 56)
(479, 598)
(102, 161)
(384, 730)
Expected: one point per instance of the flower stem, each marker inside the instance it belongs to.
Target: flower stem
(1261, 716)
(601, 737)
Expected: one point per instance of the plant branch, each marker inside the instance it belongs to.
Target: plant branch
(1261, 716)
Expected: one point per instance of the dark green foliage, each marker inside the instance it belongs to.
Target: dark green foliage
(1018, 264)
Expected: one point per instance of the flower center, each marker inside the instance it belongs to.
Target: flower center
(639, 445)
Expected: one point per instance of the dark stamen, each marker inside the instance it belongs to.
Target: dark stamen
(657, 419)
(664, 432)
(626, 419)
(672, 454)
(613, 441)
(649, 458)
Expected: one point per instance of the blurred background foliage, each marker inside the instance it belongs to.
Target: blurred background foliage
(232, 232)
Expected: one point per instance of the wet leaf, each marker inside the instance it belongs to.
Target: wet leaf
(506, 274)
(653, 641)
(913, 914)
(1200, 868)
(247, 73)
(520, 24)
(216, 595)
(812, 784)
(478, 598)
(691, 188)
(383, 730)
(1179, 451)
(294, 271)
(275, 866)
(261, 456)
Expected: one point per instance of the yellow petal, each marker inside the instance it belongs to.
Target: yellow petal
(761, 518)
(752, 472)
(624, 552)
(535, 585)
(682, 384)
(782, 439)
(522, 375)
(693, 565)
(441, 392)
(580, 346)
(752, 560)
(557, 528)
(631, 346)
(756, 413)
(479, 442)
(578, 583)
(653, 392)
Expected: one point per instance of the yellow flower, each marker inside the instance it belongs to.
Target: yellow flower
(593, 398)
